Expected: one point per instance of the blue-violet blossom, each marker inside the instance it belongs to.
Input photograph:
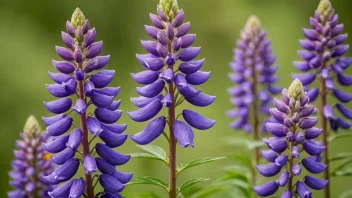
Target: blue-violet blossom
(293, 132)
(79, 77)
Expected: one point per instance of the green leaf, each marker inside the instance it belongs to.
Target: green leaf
(148, 195)
(155, 150)
(149, 181)
(338, 136)
(197, 162)
(192, 182)
(341, 156)
(243, 159)
(146, 155)
(346, 194)
(339, 171)
(207, 192)
(343, 172)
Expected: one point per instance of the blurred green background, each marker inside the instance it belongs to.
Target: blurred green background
(29, 30)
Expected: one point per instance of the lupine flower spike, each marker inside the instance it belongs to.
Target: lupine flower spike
(294, 132)
(31, 164)
(80, 77)
(170, 66)
(323, 59)
(254, 76)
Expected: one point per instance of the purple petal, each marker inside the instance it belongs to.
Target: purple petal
(183, 134)
(313, 149)
(281, 106)
(80, 106)
(58, 106)
(277, 144)
(67, 39)
(170, 32)
(106, 116)
(303, 190)
(59, 127)
(196, 120)
(281, 160)
(302, 66)
(308, 122)
(315, 183)
(150, 132)
(201, 100)
(156, 21)
(115, 128)
(75, 139)
(187, 40)
(340, 50)
(151, 90)
(184, 88)
(268, 170)
(63, 173)
(64, 89)
(70, 29)
(188, 54)
(114, 105)
(342, 96)
(152, 31)
(102, 78)
(63, 156)
(269, 155)
(296, 169)
(64, 66)
(312, 133)
(77, 188)
(78, 55)
(278, 115)
(142, 101)
(295, 152)
(109, 169)
(283, 179)
(306, 111)
(311, 34)
(307, 44)
(59, 77)
(277, 129)
(111, 156)
(64, 53)
(178, 19)
(183, 29)
(167, 100)
(312, 94)
(306, 78)
(191, 66)
(94, 126)
(89, 164)
(313, 166)
(147, 112)
(110, 183)
(112, 139)
(167, 75)
(56, 145)
(62, 191)
(150, 61)
(96, 63)
(162, 38)
(266, 189)
(88, 88)
(197, 78)
(94, 49)
(344, 111)
(345, 80)
(89, 38)
(109, 91)
(102, 100)
(145, 77)
(286, 194)
(150, 46)
(306, 55)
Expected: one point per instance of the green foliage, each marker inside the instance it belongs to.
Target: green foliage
(339, 136)
(154, 153)
(148, 195)
(346, 194)
(149, 181)
(197, 162)
(341, 156)
(342, 170)
(245, 143)
(190, 183)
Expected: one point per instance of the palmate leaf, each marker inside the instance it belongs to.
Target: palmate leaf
(244, 160)
(206, 192)
(149, 181)
(154, 152)
(197, 162)
(341, 156)
(346, 194)
(341, 170)
(191, 182)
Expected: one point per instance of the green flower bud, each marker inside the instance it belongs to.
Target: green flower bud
(324, 9)
(32, 127)
(169, 7)
(78, 18)
(253, 25)
(296, 90)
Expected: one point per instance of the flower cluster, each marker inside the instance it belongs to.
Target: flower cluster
(31, 164)
(254, 68)
(78, 78)
(171, 44)
(293, 132)
(322, 58)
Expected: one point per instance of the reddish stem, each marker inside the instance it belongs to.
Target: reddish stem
(85, 141)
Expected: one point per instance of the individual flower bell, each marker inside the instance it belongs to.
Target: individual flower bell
(254, 75)
(81, 74)
(170, 47)
(322, 55)
(294, 132)
(31, 163)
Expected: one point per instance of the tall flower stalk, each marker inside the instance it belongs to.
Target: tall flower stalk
(294, 132)
(323, 62)
(254, 76)
(31, 164)
(79, 80)
(170, 68)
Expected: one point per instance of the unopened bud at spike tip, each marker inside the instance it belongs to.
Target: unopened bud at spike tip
(296, 90)
(78, 18)
(169, 7)
(253, 24)
(324, 9)
(32, 127)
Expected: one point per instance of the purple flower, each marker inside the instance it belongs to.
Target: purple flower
(322, 55)
(31, 162)
(82, 75)
(170, 76)
(291, 106)
(254, 75)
